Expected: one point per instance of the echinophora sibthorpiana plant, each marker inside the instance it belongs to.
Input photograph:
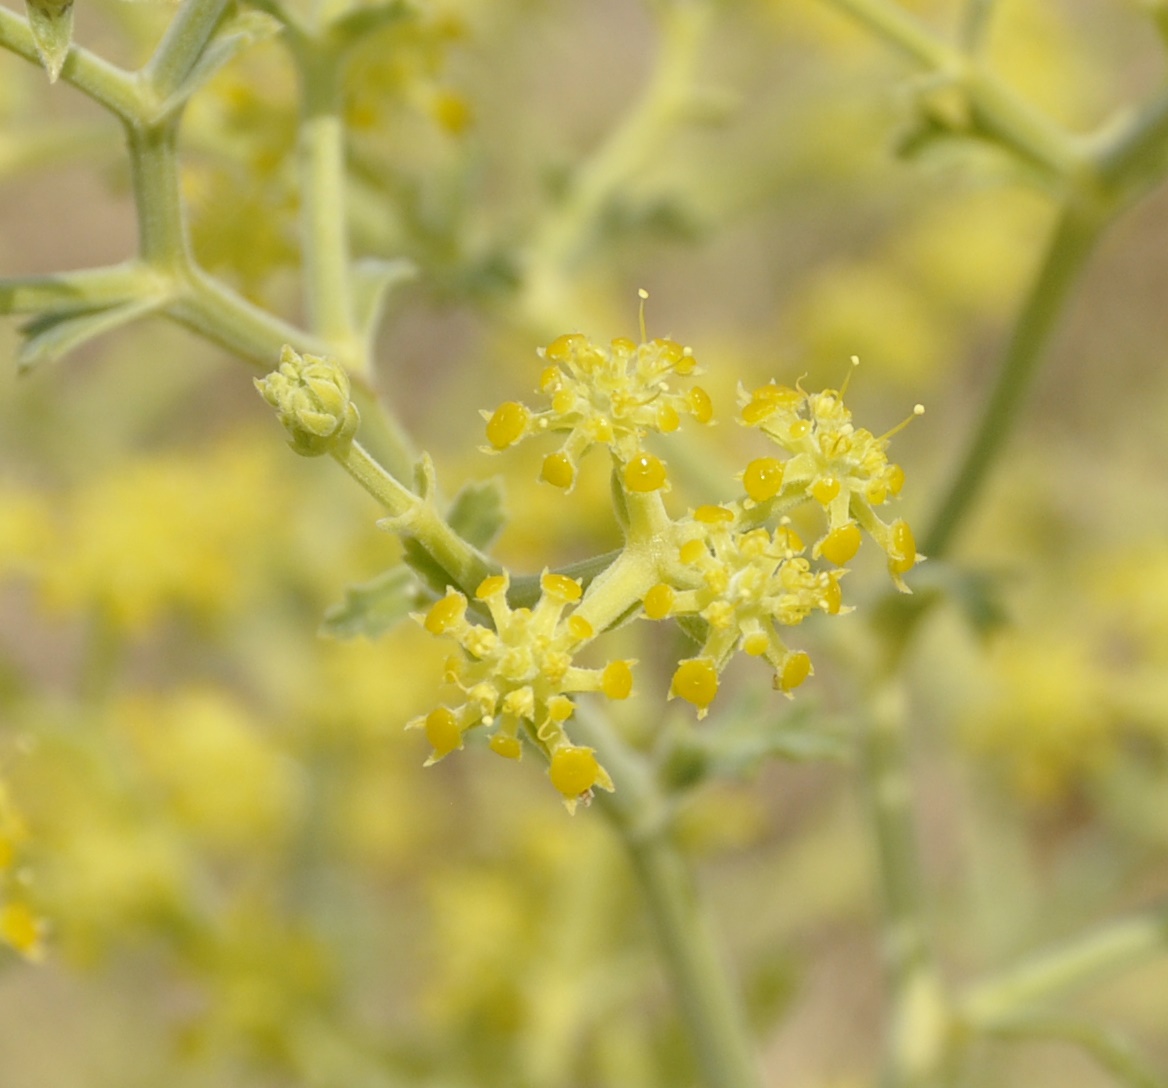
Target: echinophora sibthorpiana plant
(317, 159)
(737, 570)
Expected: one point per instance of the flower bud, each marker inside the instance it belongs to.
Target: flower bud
(311, 396)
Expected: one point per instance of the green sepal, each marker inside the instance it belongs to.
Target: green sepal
(372, 608)
(476, 513)
(51, 23)
(748, 734)
(52, 335)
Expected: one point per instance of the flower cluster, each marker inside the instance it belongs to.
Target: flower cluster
(843, 468)
(738, 572)
(517, 676)
(612, 397)
(744, 584)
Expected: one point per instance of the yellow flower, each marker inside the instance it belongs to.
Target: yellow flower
(1045, 725)
(611, 396)
(171, 532)
(841, 467)
(22, 929)
(222, 779)
(745, 584)
(518, 673)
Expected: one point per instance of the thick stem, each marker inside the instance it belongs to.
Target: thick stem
(324, 221)
(162, 234)
(105, 84)
(918, 1041)
(214, 311)
(417, 519)
(1098, 954)
(710, 1006)
(1073, 240)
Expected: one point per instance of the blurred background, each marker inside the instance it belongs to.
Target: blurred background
(221, 862)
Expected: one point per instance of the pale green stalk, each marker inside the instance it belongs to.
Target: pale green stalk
(1113, 1053)
(416, 518)
(162, 234)
(105, 83)
(570, 230)
(918, 1041)
(1071, 244)
(324, 219)
(1105, 951)
(710, 1006)
(996, 107)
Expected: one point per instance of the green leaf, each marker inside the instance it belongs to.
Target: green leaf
(476, 513)
(749, 734)
(51, 23)
(372, 608)
(51, 336)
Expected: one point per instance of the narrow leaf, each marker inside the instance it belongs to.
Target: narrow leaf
(52, 335)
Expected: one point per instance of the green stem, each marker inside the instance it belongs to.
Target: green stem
(104, 83)
(1104, 952)
(709, 1003)
(900, 30)
(162, 234)
(1133, 154)
(618, 587)
(1112, 1053)
(1073, 240)
(214, 311)
(920, 1017)
(324, 222)
(416, 518)
(566, 236)
(997, 107)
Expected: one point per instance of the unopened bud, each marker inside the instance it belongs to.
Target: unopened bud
(311, 396)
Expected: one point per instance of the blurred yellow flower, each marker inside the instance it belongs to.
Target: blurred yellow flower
(173, 532)
(223, 778)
